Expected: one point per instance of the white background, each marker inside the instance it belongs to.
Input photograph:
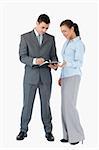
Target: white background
(18, 18)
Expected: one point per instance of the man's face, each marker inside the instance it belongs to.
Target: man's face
(41, 27)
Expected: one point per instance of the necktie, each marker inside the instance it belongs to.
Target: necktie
(40, 38)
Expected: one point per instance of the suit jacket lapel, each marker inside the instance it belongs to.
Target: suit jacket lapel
(34, 38)
(45, 38)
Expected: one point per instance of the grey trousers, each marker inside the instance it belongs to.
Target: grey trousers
(29, 96)
(72, 130)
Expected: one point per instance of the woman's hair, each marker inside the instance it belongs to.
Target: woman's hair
(70, 24)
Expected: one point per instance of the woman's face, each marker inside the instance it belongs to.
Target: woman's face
(67, 32)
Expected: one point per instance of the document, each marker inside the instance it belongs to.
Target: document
(49, 62)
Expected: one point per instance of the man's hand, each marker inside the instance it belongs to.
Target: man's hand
(39, 61)
(54, 66)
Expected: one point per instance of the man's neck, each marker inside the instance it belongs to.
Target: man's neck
(36, 32)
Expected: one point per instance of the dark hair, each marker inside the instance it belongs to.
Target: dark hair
(43, 18)
(70, 24)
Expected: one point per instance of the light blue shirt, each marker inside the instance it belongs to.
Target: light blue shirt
(72, 52)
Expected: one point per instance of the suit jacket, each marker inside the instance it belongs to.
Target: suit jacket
(29, 49)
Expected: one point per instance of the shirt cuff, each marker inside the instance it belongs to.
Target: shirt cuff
(34, 61)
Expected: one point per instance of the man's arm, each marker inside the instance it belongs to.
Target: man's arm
(23, 53)
(53, 56)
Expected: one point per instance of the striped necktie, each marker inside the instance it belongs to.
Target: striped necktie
(40, 38)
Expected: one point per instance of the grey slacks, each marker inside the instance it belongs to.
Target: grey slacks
(72, 130)
(29, 96)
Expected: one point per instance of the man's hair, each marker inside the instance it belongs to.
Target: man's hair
(43, 18)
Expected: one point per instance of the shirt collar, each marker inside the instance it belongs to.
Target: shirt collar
(36, 33)
(76, 38)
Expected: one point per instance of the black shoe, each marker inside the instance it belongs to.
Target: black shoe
(74, 143)
(21, 135)
(63, 140)
(49, 137)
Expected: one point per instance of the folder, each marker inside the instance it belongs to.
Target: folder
(48, 62)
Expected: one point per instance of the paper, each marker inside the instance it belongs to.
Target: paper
(49, 62)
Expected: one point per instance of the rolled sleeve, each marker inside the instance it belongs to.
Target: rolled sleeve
(78, 56)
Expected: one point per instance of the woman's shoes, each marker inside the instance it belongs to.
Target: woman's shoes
(63, 140)
(74, 143)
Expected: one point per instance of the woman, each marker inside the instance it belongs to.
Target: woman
(72, 53)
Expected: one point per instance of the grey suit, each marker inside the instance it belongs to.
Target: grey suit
(36, 77)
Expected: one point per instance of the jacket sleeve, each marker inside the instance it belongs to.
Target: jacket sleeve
(23, 53)
(53, 54)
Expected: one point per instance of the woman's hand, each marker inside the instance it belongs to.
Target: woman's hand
(59, 82)
(62, 65)
(55, 66)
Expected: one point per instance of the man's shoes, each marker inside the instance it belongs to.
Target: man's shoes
(64, 141)
(49, 137)
(74, 143)
(21, 135)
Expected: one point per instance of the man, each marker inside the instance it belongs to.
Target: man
(35, 48)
